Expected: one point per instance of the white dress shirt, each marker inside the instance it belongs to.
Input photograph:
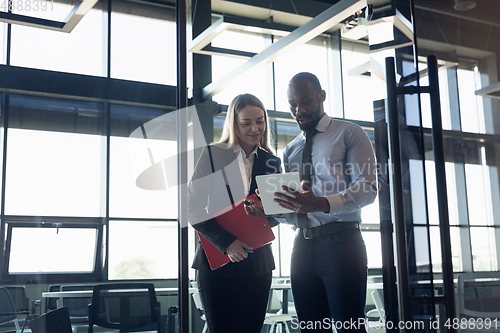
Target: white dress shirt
(344, 170)
(246, 165)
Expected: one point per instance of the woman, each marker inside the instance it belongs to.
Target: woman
(235, 295)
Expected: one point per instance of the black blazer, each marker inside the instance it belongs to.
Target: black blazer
(208, 193)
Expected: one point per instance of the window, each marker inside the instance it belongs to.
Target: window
(2, 107)
(3, 43)
(479, 204)
(256, 81)
(143, 43)
(373, 244)
(286, 237)
(484, 251)
(54, 158)
(478, 195)
(361, 79)
(269, 83)
(472, 117)
(286, 132)
(461, 109)
(457, 242)
(143, 156)
(357, 84)
(133, 156)
(444, 87)
(52, 247)
(81, 51)
(310, 57)
(142, 250)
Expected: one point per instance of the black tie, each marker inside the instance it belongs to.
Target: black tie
(307, 170)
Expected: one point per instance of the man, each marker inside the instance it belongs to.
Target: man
(329, 264)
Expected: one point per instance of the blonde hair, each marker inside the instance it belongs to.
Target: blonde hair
(229, 129)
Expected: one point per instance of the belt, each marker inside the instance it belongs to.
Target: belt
(328, 229)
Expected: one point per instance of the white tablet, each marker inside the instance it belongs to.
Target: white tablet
(269, 184)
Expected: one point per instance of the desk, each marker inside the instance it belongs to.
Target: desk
(284, 287)
(88, 293)
(374, 285)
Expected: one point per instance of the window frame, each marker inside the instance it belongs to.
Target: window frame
(46, 222)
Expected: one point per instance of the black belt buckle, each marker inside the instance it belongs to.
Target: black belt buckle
(307, 232)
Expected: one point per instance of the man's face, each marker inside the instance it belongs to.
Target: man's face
(306, 104)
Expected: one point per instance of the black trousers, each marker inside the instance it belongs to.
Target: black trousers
(328, 276)
(234, 304)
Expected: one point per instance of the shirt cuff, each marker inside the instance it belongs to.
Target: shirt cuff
(336, 203)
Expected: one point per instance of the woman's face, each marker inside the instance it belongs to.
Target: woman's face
(250, 127)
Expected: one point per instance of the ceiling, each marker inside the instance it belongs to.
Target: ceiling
(439, 25)
(487, 11)
(294, 13)
(297, 12)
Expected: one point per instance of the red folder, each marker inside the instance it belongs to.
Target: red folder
(254, 231)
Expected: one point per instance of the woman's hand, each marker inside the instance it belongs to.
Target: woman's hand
(254, 208)
(236, 251)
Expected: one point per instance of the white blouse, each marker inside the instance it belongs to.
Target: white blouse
(246, 166)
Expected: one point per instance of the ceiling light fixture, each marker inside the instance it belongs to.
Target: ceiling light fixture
(356, 27)
(463, 5)
(492, 91)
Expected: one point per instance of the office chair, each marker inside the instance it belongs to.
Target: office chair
(377, 314)
(20, 300)
(127, 307)
(51, 302)
(8, 313)
(199, 305)
(273, 319)
(78, 307)
(55, 321)
(18, 295)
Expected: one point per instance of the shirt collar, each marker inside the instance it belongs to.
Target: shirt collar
(237, 148)
(322, 125)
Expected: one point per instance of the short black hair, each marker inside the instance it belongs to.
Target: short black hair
(307, 76)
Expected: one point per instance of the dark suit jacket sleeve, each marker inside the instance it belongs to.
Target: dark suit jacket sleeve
(268, 165)
(217, 235)
(198, 193)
